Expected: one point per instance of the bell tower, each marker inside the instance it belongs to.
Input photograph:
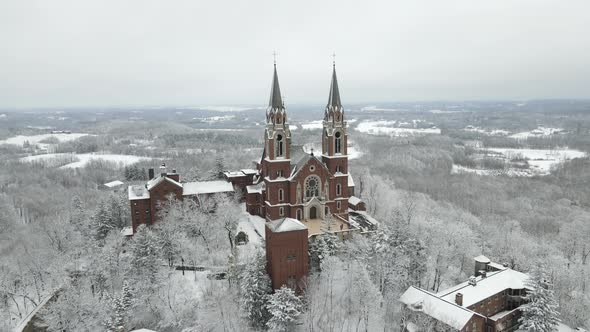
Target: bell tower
(335, 133)
(276, 161)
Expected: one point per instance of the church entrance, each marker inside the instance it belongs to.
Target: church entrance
(313, 213)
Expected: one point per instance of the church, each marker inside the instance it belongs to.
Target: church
(301, 196)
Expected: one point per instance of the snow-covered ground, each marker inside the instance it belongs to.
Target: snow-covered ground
(35, 139)
(385, 127)
(81, 160)
(317, 124)
(540, 161)
(253, 226)
(214, 119)
(378, 109)
(493, 132)
(539, 132)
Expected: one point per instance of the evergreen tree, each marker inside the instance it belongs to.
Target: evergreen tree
(284, 307)
(144, 252)
(255, 289)
(120, 305)
(540, 313)
(323, 246)
(102, 221)
(217, 171)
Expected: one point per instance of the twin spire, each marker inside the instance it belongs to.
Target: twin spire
(276, 101)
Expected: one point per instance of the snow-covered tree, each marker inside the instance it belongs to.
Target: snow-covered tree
(217, 171)
(284, 307)
(255, 289)
(540, 313)
(144, 252)
(323, 246)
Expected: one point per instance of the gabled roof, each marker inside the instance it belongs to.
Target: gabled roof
(285, 225)
(302, 162)
(157, 180)
(444, 311)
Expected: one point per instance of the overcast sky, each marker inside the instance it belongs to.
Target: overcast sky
(161, 53)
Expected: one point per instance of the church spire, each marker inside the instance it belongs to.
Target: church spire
(276, 101)
(334, 98)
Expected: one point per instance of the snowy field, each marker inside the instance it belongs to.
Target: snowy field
(317, 124)
(36, 139)
(73, 160)
(378, 109)
(492, 132)
(540, 161)
(539, 132)
(384, 127)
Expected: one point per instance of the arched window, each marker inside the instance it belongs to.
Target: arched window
(327, 211)
(338, 189)
(281, 195)
(312, 187)
(337, 142)
(281, 211)
(339, 169)
(298, 214)
(279, 145)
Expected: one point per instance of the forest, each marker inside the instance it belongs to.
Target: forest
(62, 250)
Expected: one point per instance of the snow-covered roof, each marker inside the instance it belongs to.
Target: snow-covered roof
(127, 231)
(494, 283)
(350, 180)
(249, 171)
(257, 188)
(285, 225)
(233, 174)
(482, 259)
(138, 192)
(113, 184)
(444, 311)
(207, 187)
(155, 181)
(354, 200)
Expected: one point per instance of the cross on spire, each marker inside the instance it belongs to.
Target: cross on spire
(334, 59)
(274, 57)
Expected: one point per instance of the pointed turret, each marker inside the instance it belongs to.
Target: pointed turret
(275, 93)
(333, 110)
(334, 99)
(275, 113)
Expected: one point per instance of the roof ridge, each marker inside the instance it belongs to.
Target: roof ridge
(444, 300)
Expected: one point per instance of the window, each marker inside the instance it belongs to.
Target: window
(281, 195)
(281, 211)
(338, 142)
(338, 189)
(298, 214)
(147, 211)
(291, 257)
(280, 174)
(279, 145)
(312, 187)
(339, 169)
(338, 205)
(136, 212)
(327, 211)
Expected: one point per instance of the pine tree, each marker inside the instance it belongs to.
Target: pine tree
(255, 289)
(217, 172)
(102, 221)
(540, 313)
(284, 307)
(323, 246)
(120, 305)
(144, 252)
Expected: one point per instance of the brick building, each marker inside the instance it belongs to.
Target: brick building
(489, 301)
(309, 190)
(146, 200)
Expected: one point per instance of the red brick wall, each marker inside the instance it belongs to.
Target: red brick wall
(159, 195)
(140, 213)
(279, 246)
(490, 306)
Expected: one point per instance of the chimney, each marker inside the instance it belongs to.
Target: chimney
(459, 299)
(163, 169)
(483, 274)
(472, 281)
(150, 173)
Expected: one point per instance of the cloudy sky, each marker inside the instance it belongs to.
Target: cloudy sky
(162, 53)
